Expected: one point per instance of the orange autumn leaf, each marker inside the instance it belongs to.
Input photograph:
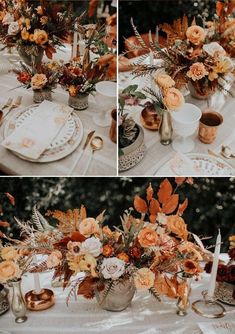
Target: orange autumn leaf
(154, 207)
(231, 8)
(77, 236)
(92, 7)
(149, 192)
(153, 219)
(1, 234)
(11, 198)
(219, 8)
(182, 207)
(171, 204)
(140, 205)
(83, 213)
(179, 180)
(4, 224)
(49, 52)
(165, 191)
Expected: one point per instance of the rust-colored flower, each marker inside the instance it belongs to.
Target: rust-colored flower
(73, 90)
(123, 256)
(195, 34)
(231, 253)
(135, 252)
(222, 273)
(107, 250)
(176, 225)
(191, 267)
(231, 273)
(148, 237)
(24, 77)
(40, 36)
(208, 267)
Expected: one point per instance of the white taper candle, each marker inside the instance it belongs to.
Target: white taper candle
(211, 289)
(37, 287)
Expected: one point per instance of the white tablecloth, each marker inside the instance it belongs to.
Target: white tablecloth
(104, 161)
(144, 316)
(156, 153)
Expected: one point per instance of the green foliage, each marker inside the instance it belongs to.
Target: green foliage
(211, 200)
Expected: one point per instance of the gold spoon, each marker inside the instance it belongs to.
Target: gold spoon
(96, 145)
(227, 152)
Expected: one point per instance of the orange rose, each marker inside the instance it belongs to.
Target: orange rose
(72, 90)
(164, 81)
(88, 226)
(24, 34)
(177, 226)
(148, 237)
(8, 270)
(173, 99)
(31, 37)
(107, 250)
(123, 256)
(195, 34)
(144, 278)
(40, 36)
(197, 71)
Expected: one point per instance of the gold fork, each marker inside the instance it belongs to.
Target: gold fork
(14, 105)
(7, 104)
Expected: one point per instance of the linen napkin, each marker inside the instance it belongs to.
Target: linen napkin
(180, 164)
(35, 135)
(222, 327)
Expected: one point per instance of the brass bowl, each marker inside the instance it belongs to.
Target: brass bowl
(150, 119)
(39, 301)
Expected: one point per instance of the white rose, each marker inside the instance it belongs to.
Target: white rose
(112, 268)
(13, 28)
(92, 246)
(8, 18)
(214, 49)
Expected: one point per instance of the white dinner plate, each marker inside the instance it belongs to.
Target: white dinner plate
(206, 164)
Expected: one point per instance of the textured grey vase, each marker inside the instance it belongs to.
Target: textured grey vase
(119, 296)
(79, 102)
(41, 95)
(4, 303)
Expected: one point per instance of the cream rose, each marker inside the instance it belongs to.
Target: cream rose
(92, 246)
(164, 81)
(38, 81)
(8, 271)
(195, 34)
(13, 28)
(88, 226)
(144, 278)
(112, 268)
(173, 99)
(8, 18)
(197, 71)
(9, 253)
(53, 259)
(214, 49)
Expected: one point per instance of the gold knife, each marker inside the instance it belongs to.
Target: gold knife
(88, 138)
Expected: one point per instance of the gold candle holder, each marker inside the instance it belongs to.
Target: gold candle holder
(208, 307)
(39, 301)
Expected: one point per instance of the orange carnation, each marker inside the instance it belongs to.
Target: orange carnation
(123, 256)
(107, 250)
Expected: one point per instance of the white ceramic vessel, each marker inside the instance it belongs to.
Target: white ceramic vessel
(106, 99)
(185, 122)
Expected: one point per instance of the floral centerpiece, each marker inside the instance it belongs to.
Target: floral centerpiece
(79, 82)
(33, 29)
(153, 251)
(43, 81)
(189, 59)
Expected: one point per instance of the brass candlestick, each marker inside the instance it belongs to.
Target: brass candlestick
(39, 301)
(208, 307)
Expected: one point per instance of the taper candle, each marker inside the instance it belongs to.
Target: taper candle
(37, 287)
(211, 289)
(75, 42)
(151, 64)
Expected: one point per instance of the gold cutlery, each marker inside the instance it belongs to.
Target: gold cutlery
(14, 105)
(227, 152)
(210, 152)
(96, 145)
(88, 138)
(7, 104)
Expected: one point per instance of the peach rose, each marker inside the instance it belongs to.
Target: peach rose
(176, 225)
(144, 278)
(197, 71)
(148, 237)
(164, 81)
(8, 270)
(88, 226)
(38, 81)
(53, 259)
(173, 99)
(40, 36)
(9, 253)
(195, 34)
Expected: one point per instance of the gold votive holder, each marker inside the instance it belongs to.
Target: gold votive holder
(39, 301)
(208, 307)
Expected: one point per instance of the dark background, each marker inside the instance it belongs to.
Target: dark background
(147, 14)
(211, 200)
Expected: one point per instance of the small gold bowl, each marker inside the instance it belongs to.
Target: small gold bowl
(39, 301)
